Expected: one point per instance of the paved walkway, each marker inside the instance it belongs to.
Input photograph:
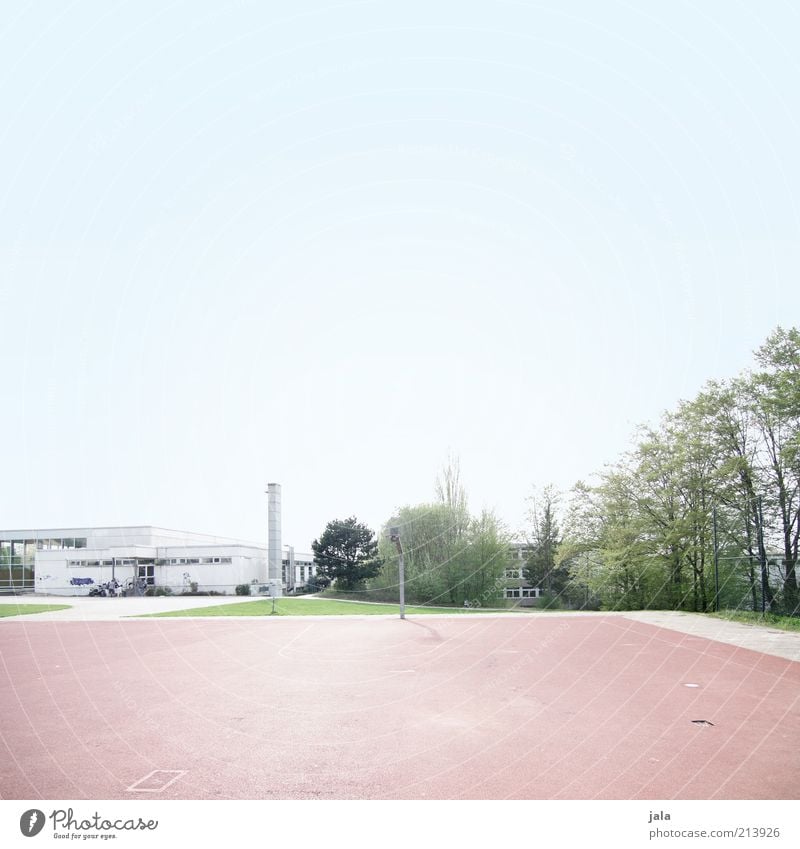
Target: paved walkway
(760, 638)
(101, 609)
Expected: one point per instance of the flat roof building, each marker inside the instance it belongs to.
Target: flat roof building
(73, 561)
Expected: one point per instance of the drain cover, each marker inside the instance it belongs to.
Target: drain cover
(702, 722)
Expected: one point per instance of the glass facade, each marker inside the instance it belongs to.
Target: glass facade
(17, 558)
(23, 551)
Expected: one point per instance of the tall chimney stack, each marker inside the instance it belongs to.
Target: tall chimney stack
(274, 556)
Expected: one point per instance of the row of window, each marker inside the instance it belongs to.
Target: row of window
(173, 561)
(522, 592)
(303, 573)
(100, 562)
(28, 547)
(163, 562)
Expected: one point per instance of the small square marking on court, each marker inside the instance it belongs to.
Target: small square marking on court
(155, 781)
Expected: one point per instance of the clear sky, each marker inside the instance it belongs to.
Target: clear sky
(327, 243)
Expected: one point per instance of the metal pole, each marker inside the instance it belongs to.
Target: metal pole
(402, 586)
(762, 554)
(394, 536)
(716, 559)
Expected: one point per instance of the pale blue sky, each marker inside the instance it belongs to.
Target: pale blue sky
(325, 244)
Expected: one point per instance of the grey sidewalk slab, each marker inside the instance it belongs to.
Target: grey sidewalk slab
(761, 638)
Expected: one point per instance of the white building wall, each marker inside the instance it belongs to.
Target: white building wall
(194, 557)
(120, 536)
(176, 567)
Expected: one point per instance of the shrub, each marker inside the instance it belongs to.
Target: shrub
(318, 582)
(550, 601)
(243, 589)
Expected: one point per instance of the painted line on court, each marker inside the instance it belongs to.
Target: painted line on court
(153, 776)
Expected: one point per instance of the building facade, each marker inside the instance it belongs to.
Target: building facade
(73, 561)
(517, 586)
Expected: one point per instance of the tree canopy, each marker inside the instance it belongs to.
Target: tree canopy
(347, 553)
(451, 556)
(541, 566)
(642, 535)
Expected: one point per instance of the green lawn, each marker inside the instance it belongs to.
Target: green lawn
(309, 607)
(771, 620)
(21, 609)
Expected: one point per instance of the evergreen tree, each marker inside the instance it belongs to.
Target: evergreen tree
(347, 553)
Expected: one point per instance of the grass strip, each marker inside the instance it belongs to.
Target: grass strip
(311, 607)
(750, 617)
(23, 609)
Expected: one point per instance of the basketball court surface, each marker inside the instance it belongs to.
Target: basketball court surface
(454, 707)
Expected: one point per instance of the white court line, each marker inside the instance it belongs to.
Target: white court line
(175, 773)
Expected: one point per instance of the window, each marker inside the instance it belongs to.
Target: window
(148, 573)
(80, 542)
(225, 560)
(512, 592)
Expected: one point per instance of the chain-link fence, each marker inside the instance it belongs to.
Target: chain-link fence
(747, 584)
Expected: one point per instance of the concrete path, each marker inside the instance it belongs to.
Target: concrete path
(100, 609)
(759, 638)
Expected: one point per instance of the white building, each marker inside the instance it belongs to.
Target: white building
(517, 586)
(71, 561)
